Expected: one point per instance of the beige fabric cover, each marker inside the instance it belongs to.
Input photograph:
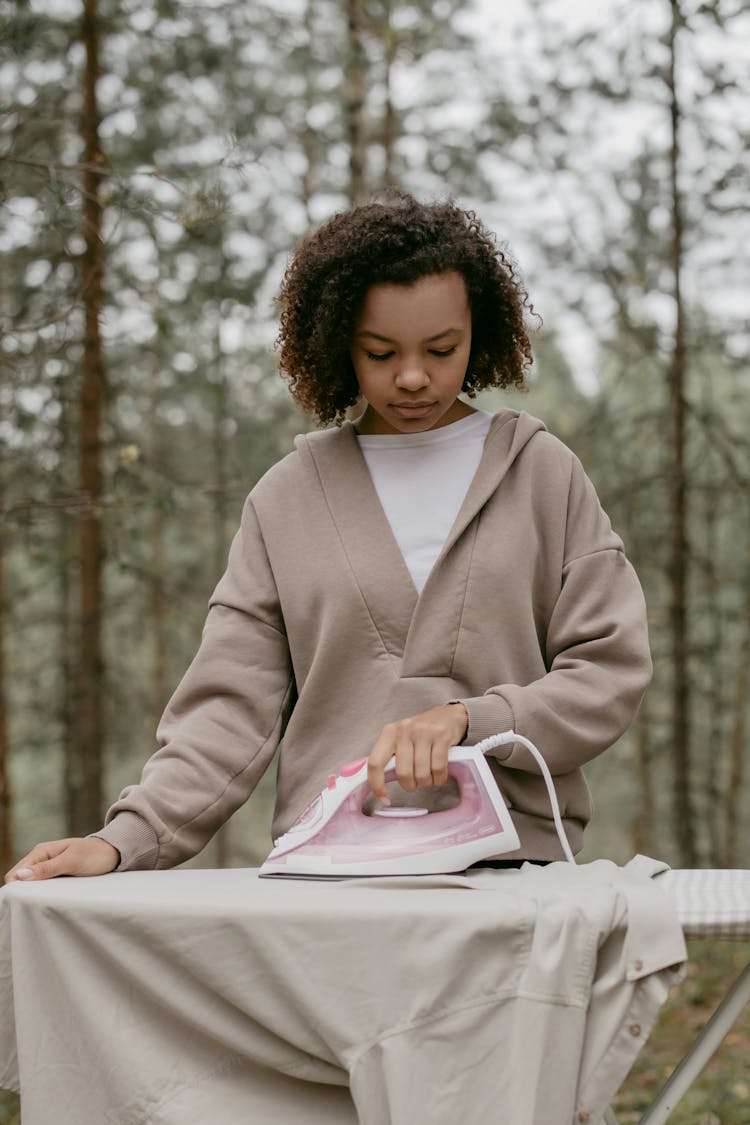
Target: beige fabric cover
(711, 902)
(193, 996)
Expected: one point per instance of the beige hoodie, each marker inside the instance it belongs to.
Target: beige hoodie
(532, 616)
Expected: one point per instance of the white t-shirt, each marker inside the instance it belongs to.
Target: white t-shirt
(421, 480)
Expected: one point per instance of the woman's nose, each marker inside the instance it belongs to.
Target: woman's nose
(412, 376)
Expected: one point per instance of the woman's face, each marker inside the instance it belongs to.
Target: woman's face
(410, 353)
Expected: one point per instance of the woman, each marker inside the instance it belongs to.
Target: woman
(428, 575)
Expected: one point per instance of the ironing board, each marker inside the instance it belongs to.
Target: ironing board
(52, 928)
(711, 904)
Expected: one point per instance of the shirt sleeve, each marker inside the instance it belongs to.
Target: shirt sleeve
(221, 726)
(596, 652)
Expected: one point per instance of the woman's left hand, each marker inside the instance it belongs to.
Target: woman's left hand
(420, 745)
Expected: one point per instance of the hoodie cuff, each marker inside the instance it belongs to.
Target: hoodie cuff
(488, 715)
(134, 839)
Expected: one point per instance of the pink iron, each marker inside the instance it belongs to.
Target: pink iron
(337, 837)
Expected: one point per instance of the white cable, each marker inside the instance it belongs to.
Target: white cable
(505, 739)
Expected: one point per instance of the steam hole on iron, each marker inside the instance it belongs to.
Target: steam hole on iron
(434, 798)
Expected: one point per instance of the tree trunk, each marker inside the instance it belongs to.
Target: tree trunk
(738, 739)
(66, 658)
(87, 809)
(158, 614)
(221, 413)
(643, 827)
(157, 594)
(66, 663)
(6, 834)
(389, 113)
(308, 139)
(711, 686)
(354, 100)
(682, 809)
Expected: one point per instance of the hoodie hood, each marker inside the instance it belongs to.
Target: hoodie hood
(400, 614)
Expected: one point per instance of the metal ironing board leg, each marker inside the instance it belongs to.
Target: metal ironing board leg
(700, 1053)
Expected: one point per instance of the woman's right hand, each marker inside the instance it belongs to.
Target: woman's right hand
(86, 856)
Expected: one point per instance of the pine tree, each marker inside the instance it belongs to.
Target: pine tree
(87, 810)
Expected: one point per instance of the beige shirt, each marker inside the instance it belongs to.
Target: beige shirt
(531, 615)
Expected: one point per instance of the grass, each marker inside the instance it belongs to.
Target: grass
(721, 1096)
(9, 1112)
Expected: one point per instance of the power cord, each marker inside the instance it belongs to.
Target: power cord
(505, 739)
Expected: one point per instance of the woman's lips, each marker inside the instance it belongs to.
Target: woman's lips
(412, 410)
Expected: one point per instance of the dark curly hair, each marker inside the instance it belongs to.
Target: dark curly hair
(398, 240)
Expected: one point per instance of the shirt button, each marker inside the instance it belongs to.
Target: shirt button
(583, 1117)
(638, 965)
(635, 1029)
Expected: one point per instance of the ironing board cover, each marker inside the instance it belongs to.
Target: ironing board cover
(710, 903)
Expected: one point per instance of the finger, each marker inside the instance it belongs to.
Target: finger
(450, 729)
(23, 874)
(380, 755)
(61, 864)
(24, 868)
(440, 762)
(460, 722)
(405, 760)
(17, 872)
(423, 753)
(47, 869)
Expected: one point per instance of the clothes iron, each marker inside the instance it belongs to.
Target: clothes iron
(338, 836)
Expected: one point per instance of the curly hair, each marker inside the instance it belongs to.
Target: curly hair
(398, 240)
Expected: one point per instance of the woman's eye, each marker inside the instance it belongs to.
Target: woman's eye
(379, 356)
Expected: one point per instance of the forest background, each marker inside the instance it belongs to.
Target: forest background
(159, 160)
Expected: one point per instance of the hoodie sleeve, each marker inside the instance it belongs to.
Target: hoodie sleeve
(221, 726)
(597, 652)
